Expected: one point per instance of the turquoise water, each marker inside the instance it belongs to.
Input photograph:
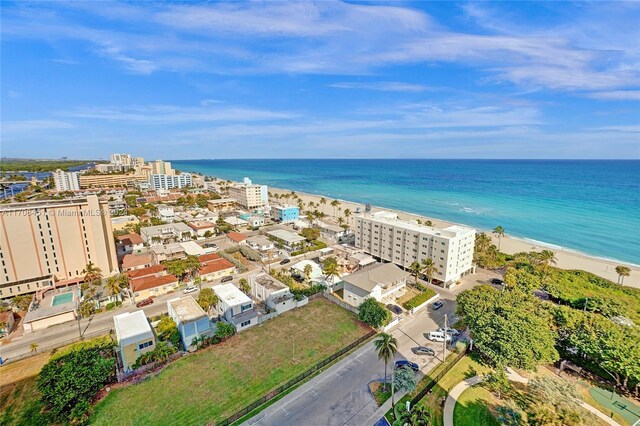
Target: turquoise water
(60, 299)
(588, 206)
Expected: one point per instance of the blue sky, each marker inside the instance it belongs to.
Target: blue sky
(323, 79)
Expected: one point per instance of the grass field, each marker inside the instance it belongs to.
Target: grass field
(214, 383)
(472, 408)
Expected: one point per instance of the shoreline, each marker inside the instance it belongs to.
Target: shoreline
(567, 258)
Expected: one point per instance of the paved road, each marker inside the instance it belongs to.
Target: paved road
(340, 395)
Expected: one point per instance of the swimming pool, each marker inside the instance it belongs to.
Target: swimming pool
(59, 299)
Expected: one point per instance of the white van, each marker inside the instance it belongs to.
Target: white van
(438, 336)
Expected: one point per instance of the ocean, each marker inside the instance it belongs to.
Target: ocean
(591, 207)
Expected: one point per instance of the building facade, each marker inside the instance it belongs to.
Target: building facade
(45, 240)
(235, 307)
(110, 181)
(135, 337)
(191, 320)
(249, 195)
(285, 214)
(390, 239)
(66, 181)
(165, 181)
(160, 167)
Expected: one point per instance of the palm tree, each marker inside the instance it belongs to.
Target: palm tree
(415, 268)
(323, 201)
(308, 269)
(115, 284)
(482, 242)
(92, 273)
(335, 204)
(622, 271)
(347, 213)
(387, 346)
(33, 347)
(429, 268)
(547, 258)
(207, 298)
(330, 269)
(499, 231)
(340, 221)
(244, 286)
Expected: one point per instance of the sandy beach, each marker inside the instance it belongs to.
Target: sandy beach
(566, 259)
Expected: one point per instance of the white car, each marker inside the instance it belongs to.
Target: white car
(190, 289)
(451, 331)
(437, 336)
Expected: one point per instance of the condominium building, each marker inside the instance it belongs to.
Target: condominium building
(390, 239)
(249, 195)
(285, 213)
(110, 180)
(165, 181)
(66, 181)
(160, 167)
(43, 241)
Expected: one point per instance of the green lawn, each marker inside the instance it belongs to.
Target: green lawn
(213, 384)
(472, 408)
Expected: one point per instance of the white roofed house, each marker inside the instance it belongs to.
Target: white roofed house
(135, 337)
(275, 294)
(163, 234)
(289, 240)
(191, 320)
(316, 270)
(382, 282)
(261, 243)
(235, 307)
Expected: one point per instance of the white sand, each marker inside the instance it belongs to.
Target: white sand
(566, 259)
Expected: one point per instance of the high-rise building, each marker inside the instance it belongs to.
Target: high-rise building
(160, 167)
(66, 181)
(390, 239)
(120, 159)
(163, 181)
(249, 195)
(45, 241)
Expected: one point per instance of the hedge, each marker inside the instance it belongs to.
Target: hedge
(239, 266)
(419, 299)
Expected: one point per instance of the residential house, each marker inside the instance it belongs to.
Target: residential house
(117, 206)
(275, 295)
(155, 270)
(236, 222)
(237, 238)
(255, 221)
(201, 227)
(119, 223)
(332, 232)
(216, 269)
(171, 251)
(261, 244)
(7, 320)
(289, 240)
(235, 307)
(221, 204)
(191, 320)
(135, 337)
(316, 270)
(130, 243)
(165, 213)
(163, 234)
(285, 213)
(382, 282)
(132, 262)
(151, 286)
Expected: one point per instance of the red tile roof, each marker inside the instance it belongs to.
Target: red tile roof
(130, 239)
(217, 266)
(201, 224)
(133, 260)
(236, 236)
(206, 258)
(145, 272)
(146, 283)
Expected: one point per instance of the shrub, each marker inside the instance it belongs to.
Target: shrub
(373, 313)
(250, 254)
(301, 293)
(419, 299)
(239, 266)
(110, 306)
(315, 245)
(161, 353)
(224, 330)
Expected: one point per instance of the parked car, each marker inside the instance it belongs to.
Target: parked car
(210, 245)
(285, 261)
(497, 281)
(437, 336)
(450, 331)
(394, 308)
(423, 350)
(437, 305)
(190, 289)
(226, 279)
(405, 363)
(144, 302)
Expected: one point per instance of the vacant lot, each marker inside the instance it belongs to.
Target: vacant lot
(213, 384)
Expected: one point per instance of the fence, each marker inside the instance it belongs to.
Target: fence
(57, 345)
(439, 376)
(339, 302)
(249, 408)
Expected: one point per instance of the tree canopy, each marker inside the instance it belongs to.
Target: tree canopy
(373, 313)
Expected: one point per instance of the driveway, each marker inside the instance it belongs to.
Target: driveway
(340, 394)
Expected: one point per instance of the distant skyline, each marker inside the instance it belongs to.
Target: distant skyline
(518, 80)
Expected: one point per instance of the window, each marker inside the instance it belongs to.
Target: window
(145, 344)
(245, 323)
(245, 307)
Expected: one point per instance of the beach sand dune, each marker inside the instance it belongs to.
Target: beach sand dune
(565, 259)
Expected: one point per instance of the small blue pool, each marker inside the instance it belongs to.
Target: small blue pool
(59, 299)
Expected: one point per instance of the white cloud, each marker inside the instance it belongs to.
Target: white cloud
(617, 95)
(384, 86)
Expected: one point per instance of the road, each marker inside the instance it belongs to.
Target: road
(340, 394)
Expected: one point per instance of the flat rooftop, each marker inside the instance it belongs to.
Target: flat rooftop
(286, 236)
(231, 294)
(131, 326)
(389, 218)
(187, 309)
(267, 281)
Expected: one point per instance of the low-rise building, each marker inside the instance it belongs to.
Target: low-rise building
(298, 269)
(236, 222)
(130, 243)
(164, 252)
(135, 337)
(131, 262)
(285, 214)
(381, 281)
(332, 232)
(7, 321)
(237, 238)
(261, 243)
(155, 271)
(255, 221)
(221, 204)
(214, 270)
(191, 320)
(119, 223)
(117, 207)
(202, 227)
(151, 286)
(235, 307)
(163, 234)
(165, 213)
(289, 240)
(51, 307)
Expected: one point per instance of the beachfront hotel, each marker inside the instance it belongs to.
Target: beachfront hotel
(44, 241)
(249, 195)
(390, 239)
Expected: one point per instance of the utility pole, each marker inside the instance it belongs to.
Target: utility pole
(444, 345)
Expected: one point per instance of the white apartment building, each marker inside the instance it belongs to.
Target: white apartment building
(390, 239)
(249, 195)
(164, 181)
(66, 181)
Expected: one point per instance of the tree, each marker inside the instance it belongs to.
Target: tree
(373, 313)
(244, 286)
(497, 382)
(323, 201)
(509, 415)
(308, 270)
(22, 301)
(499, 231)
(404, 379)
(33, 347)
(330, 269)
(347, 213)
(115, 284)
(429, 268)
(92, 273)
(310, 234)
(622, 272)
(207, 299)
(224, 330)
(386, 346)
(87, 308)
(495, 319)
(419, 415)
(415, 269)
(335, 204)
